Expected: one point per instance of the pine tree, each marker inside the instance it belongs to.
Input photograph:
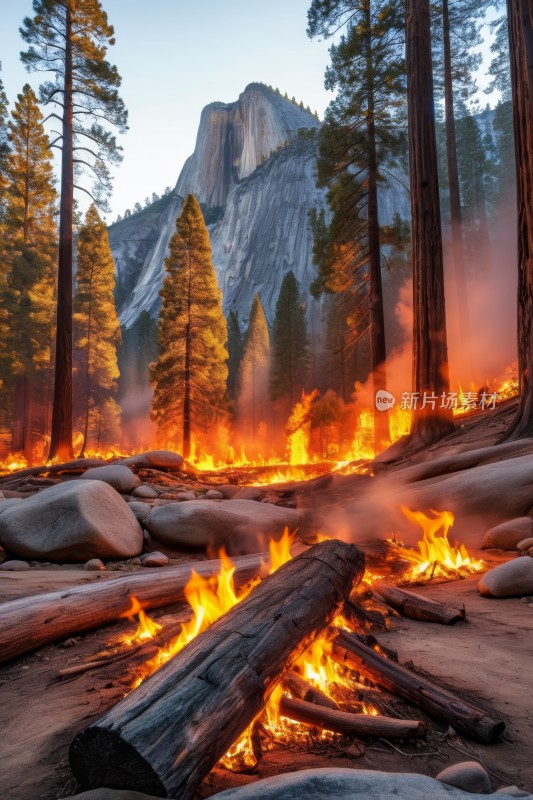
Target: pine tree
(289, 360)
(235, 350)
(360, 138)
(30, 238)
(70, 39)
(97, 335)
(4, 144)
(191, 372)
(254, 372)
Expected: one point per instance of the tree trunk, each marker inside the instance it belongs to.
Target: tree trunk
(414, 606)
(61, 435)
(436, 701)
(377, 321)
(430, 352)
(22, 429)
(31, 622)
(87, 368)
(453, 182)
(187, 379)
(165, 736)
(521, 50)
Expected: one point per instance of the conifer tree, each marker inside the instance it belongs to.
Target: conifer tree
(30, 232)
(97, 335)
(70, 39)
(289, 361)
(235, 350)
(4, 144)
(191, 371)
(254, 371)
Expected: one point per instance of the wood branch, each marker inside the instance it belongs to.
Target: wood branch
(416, 606)
(145, 650)
(436, 701)
(164, 737)
(304, 691)
(346, 722)
(74, 467)
(31, 622)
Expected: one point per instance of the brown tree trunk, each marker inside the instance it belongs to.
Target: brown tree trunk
(377, 322)
(88, 368)
(456, 218)
(165, 736)
(61, 435)
(187, 379)
(430, 352)
(22, 441)
(521, 49)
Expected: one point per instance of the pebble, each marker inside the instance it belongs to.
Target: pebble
(512, 791)
(468, 776)
(155, 559)
(525, 544)
(212, 494)
(146, 491)
(94, 565)
(186, 496)
(15, 566)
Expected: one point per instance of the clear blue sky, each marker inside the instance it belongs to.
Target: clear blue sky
(175, 57)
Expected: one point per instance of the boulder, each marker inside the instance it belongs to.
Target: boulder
(212, 494)
(514, 578)
(468, 776)
(111, 794)
(119, 477)
(348, 784)
(15, 566)
(229, 490)
(242, 525)
(159, 459)
(12, 501)
(94, 565)
(507, 535)
(72, 521)
(140, 509)
(2, 496)
(183, 496)
(512, 791)
(154, 559)
(525, 544)
(250, 493)
(145, 491)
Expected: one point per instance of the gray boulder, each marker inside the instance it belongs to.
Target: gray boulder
(525, 544)
(242, 525)
(119, 477)
(140, 509)
(9, 503)
(145, 491)
(468, 776)
(15, 566)
(212, 494)
(348, 784)
(507, 535)
(512, 579)
(185, 496)
(72, 521)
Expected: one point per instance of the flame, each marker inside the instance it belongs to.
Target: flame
(299, 430)
(12, 462)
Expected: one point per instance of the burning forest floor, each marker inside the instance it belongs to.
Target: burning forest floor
(485, 659)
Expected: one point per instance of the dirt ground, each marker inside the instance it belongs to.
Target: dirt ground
(486, 659)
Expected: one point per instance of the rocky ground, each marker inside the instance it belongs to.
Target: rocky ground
(62, 528)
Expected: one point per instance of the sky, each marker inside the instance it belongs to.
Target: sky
(175, 57)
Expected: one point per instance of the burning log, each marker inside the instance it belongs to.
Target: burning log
(415, 606)
(304, 691)
(31, 622)
(345, 722)
(166, 735)
(436, 701)
(75, 467)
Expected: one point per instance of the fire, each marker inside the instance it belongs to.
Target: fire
(435, 555)
(299, 430)
(12, 463)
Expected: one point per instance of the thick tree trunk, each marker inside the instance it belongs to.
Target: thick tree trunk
(521, 49)
(166, 735)
(456, 217)
(464, 717)
(61, 435)
(22, 429)
(31, 622)
(187, 380)
(430, 351)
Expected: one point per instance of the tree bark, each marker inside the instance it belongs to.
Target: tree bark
(166, 735)
(61, 435)
(414, 606)
(22, 429)
(456, 217)
(31, 622)
(521, 50)
(187, 378)
(431, 698)
(430, 351)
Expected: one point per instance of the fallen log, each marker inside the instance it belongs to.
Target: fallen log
(304, 691)
(164, 737)
(74, 467)
(415, 606)
(436, 701)
(31, 622)
(345, 722)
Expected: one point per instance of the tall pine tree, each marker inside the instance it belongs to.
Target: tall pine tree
(235, 350)
(254, 374)
(191, 371)
(289, 360)
(70, 38)
(97, 336)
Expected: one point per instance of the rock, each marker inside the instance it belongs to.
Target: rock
(5, 504)
(111, 794)
(146, 491)
(140, 509)
(155, 559)
(250, 493)
(507, 535)
(530, 551)
(72, 521)
(212, 494)
(512, 791)
(2, 496)
(348, 784)
(15, 566)
(119, 477)
(468, 776)
(159, 459)
(186, 496)
(525, 544)
(94, 565)
(511, 579)
(229, 491)
(244, 525)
